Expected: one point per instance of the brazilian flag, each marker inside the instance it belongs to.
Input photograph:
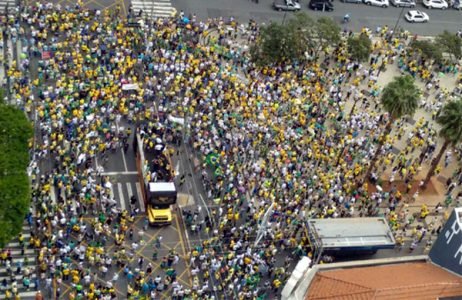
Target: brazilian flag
(218, 172)
(212, 159)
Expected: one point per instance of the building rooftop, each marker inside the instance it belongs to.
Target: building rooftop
(412, 280)
(447, 249)
(351, 232)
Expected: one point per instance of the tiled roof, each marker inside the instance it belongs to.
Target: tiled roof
(397, 281)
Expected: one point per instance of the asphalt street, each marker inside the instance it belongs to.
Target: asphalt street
(262, 12)
(361, 14)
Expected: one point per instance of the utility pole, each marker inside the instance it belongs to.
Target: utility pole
(397, 22)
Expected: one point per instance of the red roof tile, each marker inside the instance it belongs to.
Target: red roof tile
(397, 281)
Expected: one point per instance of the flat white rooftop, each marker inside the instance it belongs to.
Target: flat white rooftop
(351, 232)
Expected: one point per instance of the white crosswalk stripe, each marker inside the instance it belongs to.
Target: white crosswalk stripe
(121, 196)
(11, 4)
(20, 259)
(9, 44)
(123, 193)
(154, 8)
(54, 199)
(129, 189)
(63, 194)
(53, 195)
(24, 295)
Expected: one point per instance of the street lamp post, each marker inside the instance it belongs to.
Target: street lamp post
(397, 22)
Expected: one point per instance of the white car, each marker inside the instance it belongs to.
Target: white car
(381, 3)
(416, 16)
(403, 3)
(441, 4)
(287, 5)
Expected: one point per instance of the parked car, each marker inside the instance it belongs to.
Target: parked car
(287, 5)
(416, 16)
(322, 5)
(351, 1)
(441, 4)
(403, 3)
(381, 3)
(457, 5)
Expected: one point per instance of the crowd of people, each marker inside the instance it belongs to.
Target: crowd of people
(283, 137)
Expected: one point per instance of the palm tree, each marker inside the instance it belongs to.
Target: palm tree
(450, 119)
(399, 98)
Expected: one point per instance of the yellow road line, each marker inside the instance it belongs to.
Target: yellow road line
(175, 228)
(147, 243)
(103, 6)
(183, 273)
(66, 291)
(184, 250)
(184, 282)
(111, 5)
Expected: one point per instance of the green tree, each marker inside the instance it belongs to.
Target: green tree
(450, 119)
(360, 47)
(328, 33)
(399, 98)
(275, 44)
(15, 134)
(296, 40)
(303, 29)
(450, 43)
(428, 50)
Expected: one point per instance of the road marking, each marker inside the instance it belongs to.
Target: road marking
(111, 191)
(183, 247)
(154, 8)
(119, 173)
(10, 52)
(53, 195)
(18, 51)
(26, 294)
(205, 205)
(177, 168)
(194, 186)
(140, 196)
(121, 196)
(122, 150)
(129, 189)
(74, 205)
(125, 161)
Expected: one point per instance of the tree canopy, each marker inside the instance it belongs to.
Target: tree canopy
(296, 40)
(428, 50)
(450, 43)
(400, 97)
(450, 120)
(15, 133)
(359, 47)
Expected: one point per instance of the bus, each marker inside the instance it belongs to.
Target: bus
(156, 176)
